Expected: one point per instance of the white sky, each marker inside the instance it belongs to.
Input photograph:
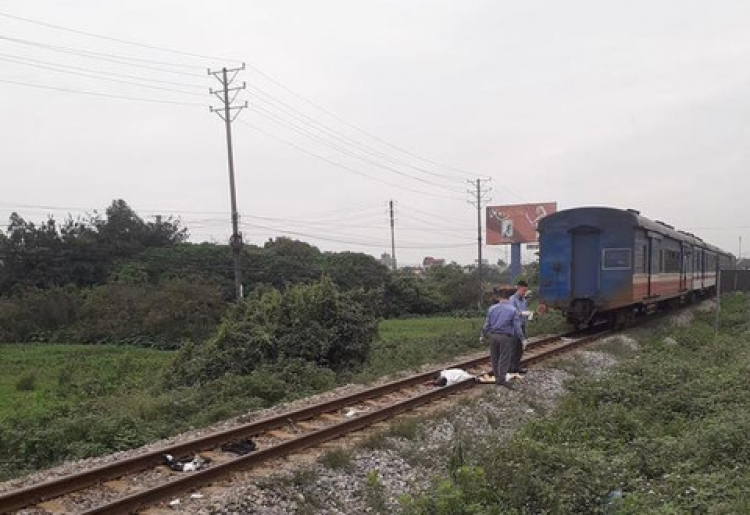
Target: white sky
(625, 104)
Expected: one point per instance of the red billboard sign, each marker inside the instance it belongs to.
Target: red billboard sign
(516, 223)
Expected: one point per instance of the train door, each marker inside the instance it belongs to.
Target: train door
(585, 266)
(654, 264)
(683, 266)
(650, 247)
(696, 267)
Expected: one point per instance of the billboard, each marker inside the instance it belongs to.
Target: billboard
(516, 223)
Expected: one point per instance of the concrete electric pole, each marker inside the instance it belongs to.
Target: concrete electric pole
(479, 200)
(393, 239)
(228, 112)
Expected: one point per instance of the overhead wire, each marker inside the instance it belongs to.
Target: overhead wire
(432, 222)
(339, 165)
(104, 72)
(254, 68)
(97, 94)
(110, 38)
(351, 125)
(121, 60)
(312, 122)
(343, 150)
(61, 69)
(352, 242)
(290, 110)
(355, 211)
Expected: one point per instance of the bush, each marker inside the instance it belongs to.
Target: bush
(119, 312)
(315, 324)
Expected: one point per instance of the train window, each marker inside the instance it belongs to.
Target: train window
(616, 259)
(641, 258)
(671, 261)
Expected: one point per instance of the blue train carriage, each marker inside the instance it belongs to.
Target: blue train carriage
(605, 263)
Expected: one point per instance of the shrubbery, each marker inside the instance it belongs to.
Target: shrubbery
(315, 324)
(119, 312)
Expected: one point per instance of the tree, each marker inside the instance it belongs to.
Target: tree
(458, 287)
(405, 294)
(351, 270)
(80, 252)
(315, 323)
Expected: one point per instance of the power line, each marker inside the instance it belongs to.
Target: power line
(312, 122)
(61, 69)
(339, 165)
(97, 94)
(349, 124)
(110, 38)
(432, 223)
(355, 212)
(102, 72)
(351, 242)
(121, 60)
(257, 70)
(343, 150)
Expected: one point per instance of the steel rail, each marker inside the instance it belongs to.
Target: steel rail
(34, 494)
(140, 500)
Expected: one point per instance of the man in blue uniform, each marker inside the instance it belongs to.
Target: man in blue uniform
(502, 326)
(518, 301)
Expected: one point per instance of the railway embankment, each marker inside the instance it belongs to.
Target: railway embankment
(652, 419)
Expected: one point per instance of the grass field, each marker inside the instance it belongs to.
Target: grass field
(61, 402)
(34, 376)
(425, 328)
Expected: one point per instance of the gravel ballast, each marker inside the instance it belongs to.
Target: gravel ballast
(376, 478)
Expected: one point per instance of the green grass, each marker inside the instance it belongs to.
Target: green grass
(425, 328)
(65, 372)
(338, 459)
(406, 344)
(667, 428)
(60, 402)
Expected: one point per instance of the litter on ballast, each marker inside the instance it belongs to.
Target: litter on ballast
(198, 462)
(241, 447)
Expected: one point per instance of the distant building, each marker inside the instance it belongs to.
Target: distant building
(430, 261)
(387, 260)
(413, 270)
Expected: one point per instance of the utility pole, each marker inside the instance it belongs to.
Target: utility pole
(393, 239)
(480, 198)
(228, 111)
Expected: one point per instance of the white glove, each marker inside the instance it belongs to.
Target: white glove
(524, 344)
(481, 339)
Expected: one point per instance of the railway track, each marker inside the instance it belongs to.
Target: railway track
(278, 436)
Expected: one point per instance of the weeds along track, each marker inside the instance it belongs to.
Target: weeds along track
(131, 484)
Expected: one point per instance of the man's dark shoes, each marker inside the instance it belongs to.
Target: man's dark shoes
(521, 371)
